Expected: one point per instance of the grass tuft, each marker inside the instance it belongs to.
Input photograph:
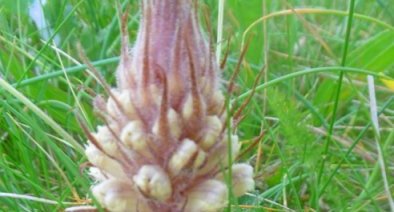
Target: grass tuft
(307, 129)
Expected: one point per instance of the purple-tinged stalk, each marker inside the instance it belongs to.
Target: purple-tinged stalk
(164, 146)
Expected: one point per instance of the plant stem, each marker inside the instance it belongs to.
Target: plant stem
(337, 95)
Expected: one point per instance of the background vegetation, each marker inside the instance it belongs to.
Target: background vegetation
(320, 150)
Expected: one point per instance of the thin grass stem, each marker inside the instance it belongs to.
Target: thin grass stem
(337, 93)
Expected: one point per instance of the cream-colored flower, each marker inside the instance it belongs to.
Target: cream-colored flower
(164, 140)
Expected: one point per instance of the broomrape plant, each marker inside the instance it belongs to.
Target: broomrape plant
(164, 144)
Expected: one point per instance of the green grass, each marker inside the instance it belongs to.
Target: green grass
(319, 150)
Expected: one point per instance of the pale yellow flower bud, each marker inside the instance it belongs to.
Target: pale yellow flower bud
(200, 160)
(127, 105)
(213, 127)
(153, 182)
(175, 124)
(117, 195)
(122, 100)
(242, 179)
(182, 156)
(187, 110)
(134, 137)
(106, 140)
(209, 196)
(112, 107)
(104, 162)
(217, 103)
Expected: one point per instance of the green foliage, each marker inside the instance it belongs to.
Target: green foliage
(294, 112)
(375, 54)
(299, 143)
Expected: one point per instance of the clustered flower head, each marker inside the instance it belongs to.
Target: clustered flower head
(164, 144)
